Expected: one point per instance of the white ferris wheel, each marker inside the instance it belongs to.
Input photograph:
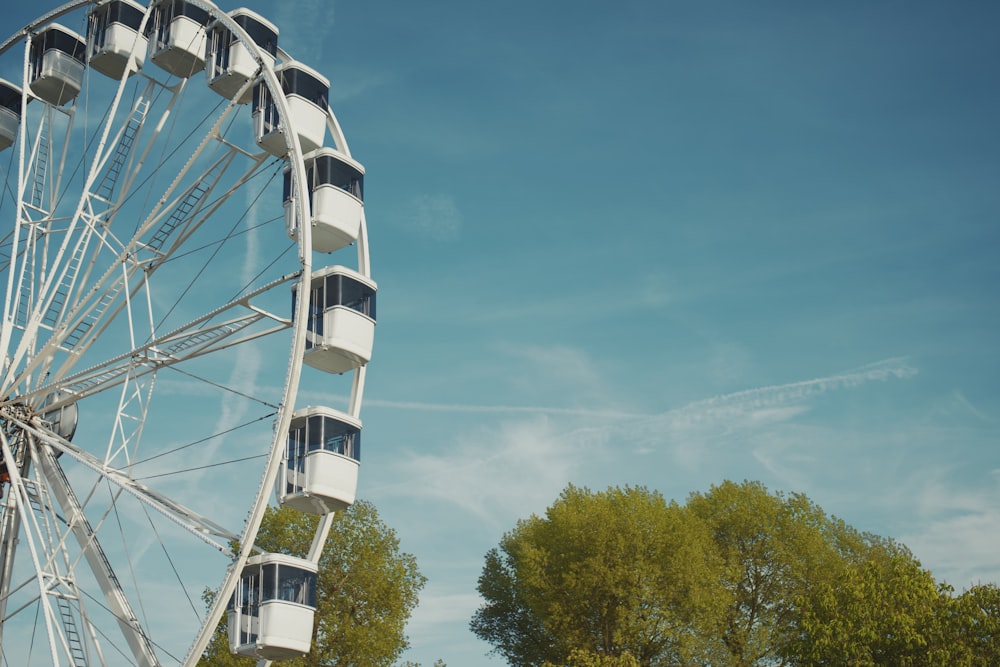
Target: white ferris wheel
(188, 312)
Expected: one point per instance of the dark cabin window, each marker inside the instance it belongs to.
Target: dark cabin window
(296, 585)
(286, 186)
(342, 439)
(327, 169)
(262, 36)
(53, 38)
(10, 97)
(345, 291)
(303, 84)
(268, 582)
(126, 14)
(168, 11)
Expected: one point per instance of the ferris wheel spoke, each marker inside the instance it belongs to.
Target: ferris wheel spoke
(97, 560)
(160, 238)
(203, 336)
(33, 502)
(204, 528)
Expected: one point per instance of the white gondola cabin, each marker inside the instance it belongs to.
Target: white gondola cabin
(10, 112)
(113, 35)
(336, 199)
(320, 470)
(341, 327)
(270, 615)
(229, 64)
(56, 64)
(176, 31)
(60, 414)
(307, 93)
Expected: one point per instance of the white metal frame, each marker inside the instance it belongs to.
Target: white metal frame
(81, 321)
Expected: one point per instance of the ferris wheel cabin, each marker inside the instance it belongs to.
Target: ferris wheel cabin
(307, 93)
(229, 64)
(56, 64)
(60, 414)
(321, 464)
(113, 35)
(341, 328)
(10, 112)
(336, 199)
(270, 615)
(177, 33)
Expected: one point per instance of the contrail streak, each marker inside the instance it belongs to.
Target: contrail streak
(740, 401)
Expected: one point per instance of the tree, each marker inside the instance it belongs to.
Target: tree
(606, 575)
(581, 658)
(507, 620)
(771, 546)
(366, 589)
(875, 606)
(973, 627)
(737, 577)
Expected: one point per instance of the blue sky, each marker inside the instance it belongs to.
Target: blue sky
(669, 244)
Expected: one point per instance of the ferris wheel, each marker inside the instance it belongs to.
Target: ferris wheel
(188, 311)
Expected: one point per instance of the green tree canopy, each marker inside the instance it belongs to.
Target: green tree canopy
(771, 547)
(366, 589)
(739, 577)
(610, 574)
(875, 605)
(973, 627)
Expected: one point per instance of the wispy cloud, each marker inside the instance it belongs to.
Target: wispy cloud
(959, 537)
(963, 404)
(569, 367)
(439, 608)
(502, 409)
(761, 401)
(233, 409)
(435, 216)
(527, 461)
(962, 549)
(771, 400)
(495, 473)
(304, 40)
(354, 83)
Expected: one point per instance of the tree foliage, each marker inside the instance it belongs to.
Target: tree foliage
(875, 606)
(973, 627)
(770, 547)
(366, 589)
(613, 574)
(738, 577)
(582, 658)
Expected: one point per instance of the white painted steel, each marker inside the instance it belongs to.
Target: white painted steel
(307, 118)
(10, 119)
(141, 294)
(318, 480)
(178, 41)
(111, 44)
(275, 628)
(336, 213)
(230, 65)
(56, 74)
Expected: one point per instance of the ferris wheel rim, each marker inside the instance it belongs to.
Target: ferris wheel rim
(298, 321)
